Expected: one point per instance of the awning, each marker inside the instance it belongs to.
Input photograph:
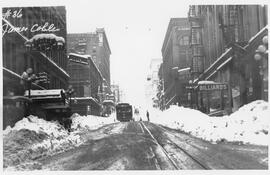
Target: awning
(184, 71)
(45, 93)
(49, 36)
(108, 102)
(85, 100)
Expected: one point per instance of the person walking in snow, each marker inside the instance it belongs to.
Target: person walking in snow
(147, 115)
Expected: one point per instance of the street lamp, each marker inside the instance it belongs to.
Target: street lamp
(261, 57)
(262, 52)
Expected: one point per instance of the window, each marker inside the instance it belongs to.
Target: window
(184, 41)
(195, 36)
(197, 51)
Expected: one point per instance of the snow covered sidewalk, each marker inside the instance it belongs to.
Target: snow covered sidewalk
(250, 124)
(33, 137)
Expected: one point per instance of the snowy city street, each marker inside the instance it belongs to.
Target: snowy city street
(134, 85)
(102, 143)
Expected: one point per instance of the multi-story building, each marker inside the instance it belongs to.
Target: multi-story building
(86, 81)
(34, 37)
(96, 45)
(85, 77)
(224, 40)
(152, 82)
(176, 61)
(116, 93)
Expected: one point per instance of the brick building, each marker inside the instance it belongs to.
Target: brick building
(224, 40)
(176, 61)
(86, 80)
(96, 45)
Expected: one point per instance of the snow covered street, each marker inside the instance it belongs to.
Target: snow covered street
(33, 138)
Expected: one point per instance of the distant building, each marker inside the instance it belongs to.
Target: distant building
(96, 45)
(176, 61)
(34, 37)
(86, 80)
(116, 92)
(152, 82)
(225, 41)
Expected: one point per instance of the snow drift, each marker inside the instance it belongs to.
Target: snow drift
(32, 138)
(250, 124)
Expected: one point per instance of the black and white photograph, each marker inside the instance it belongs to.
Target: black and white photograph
(134, 85)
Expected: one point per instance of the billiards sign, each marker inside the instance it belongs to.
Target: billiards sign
(216, 86)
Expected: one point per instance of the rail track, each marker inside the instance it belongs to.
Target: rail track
(170, 158)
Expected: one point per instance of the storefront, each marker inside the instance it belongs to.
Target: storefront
(212, 98)
(244, 71)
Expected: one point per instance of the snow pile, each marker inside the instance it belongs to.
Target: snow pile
(90, 122)
(33, 137)
(250, 124)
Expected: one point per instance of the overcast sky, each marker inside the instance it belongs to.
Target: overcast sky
(135, 30)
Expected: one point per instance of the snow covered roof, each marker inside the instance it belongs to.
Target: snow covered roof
(259, 33)
(206, 82)
(90, 58)
(51, 92)
(86, 98)
(108, 101)
(82, 98)
(47, 36)
(78, 55)
(225, 62)
(184, 70)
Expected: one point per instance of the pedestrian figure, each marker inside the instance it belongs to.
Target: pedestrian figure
(147, 115)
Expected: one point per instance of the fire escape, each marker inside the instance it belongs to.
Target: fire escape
(196, 41)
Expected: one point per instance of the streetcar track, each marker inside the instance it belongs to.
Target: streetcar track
(189, 144)
(183, 150)
(164, 151)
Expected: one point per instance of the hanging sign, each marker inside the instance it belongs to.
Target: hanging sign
(209, 87)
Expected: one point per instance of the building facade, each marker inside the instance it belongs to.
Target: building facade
(86, 80)
(224, 40)
(153, 82)
(96, 45)
(116, 92)
(34, 37)
(176, 61)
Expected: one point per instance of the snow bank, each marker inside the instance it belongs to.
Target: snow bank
(91, 122)
(250, 124)
(33, 137)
